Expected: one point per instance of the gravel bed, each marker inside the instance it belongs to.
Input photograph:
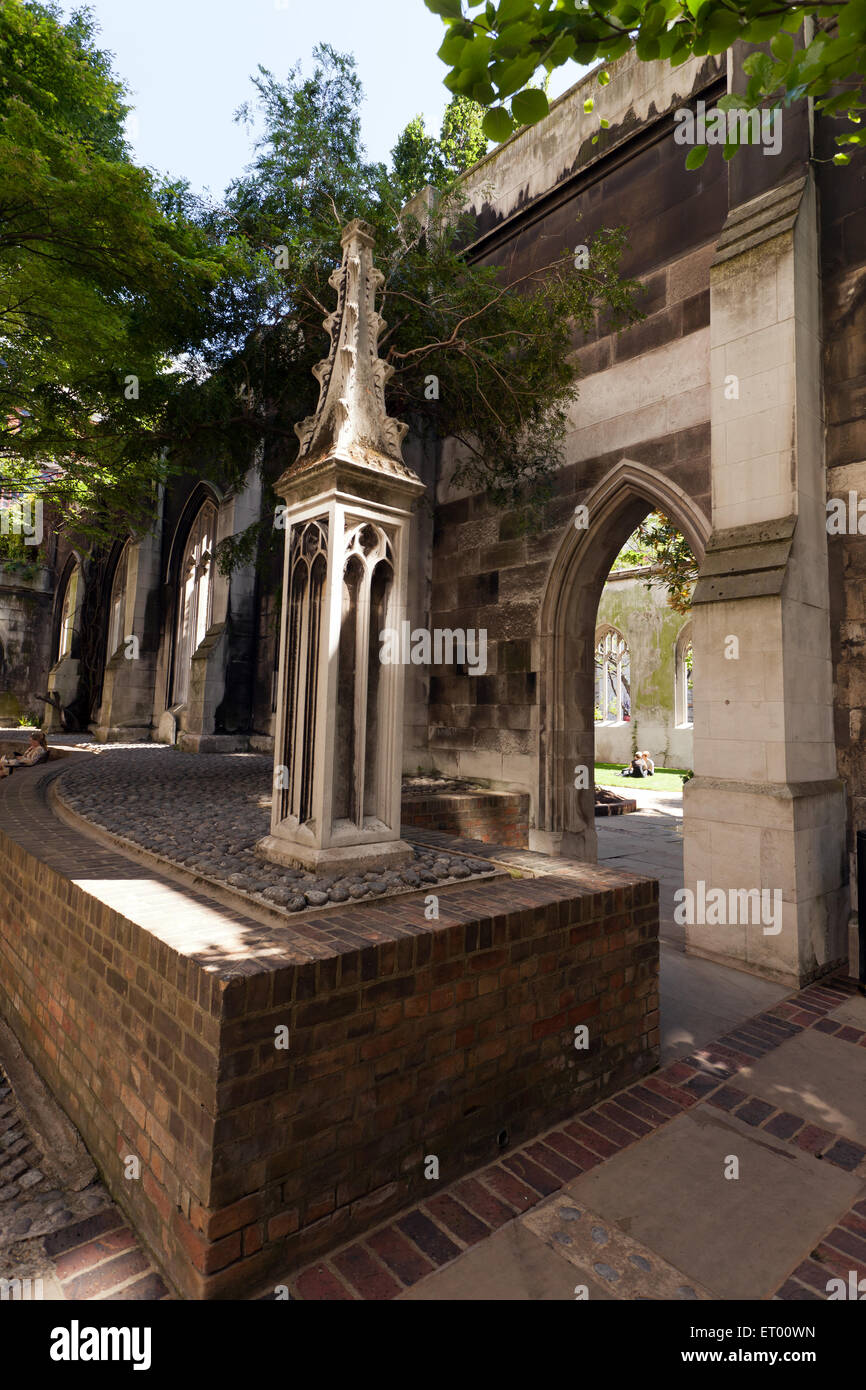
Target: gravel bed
(205, 812)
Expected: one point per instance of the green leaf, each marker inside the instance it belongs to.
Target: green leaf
(852, 20)
(588, 105)
(696, 157)
(782, 46)
(497, 124)
(654, 20)
(647, 48)
(760, 29)
(603, 78)
(529, 106)
(514, 40)
(721, 32)
(511, 76)
(511, 10)
(732, 102)
(841, 159)
(448, 9)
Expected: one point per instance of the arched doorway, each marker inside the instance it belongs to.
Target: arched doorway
(605, 520)
(194, 598)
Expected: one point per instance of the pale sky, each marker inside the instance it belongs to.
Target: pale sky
(188, 62)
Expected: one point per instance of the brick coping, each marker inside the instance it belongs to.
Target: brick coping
(29, 821)
(435, 1232)
(217, 889)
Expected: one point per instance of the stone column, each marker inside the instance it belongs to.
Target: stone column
(348, 503)
(766, 809)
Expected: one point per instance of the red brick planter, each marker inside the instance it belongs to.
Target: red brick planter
(407, 1038)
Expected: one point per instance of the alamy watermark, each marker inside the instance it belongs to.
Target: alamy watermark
(22, 516)
(439, 647)
(745, 126)
(846, 519)
(736, 907)
(21, 1291)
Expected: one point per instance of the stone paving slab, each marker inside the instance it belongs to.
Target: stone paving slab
(700, 999)
(794, 1219)
(852, 1012)
(815, 1075)
(601, 1251)
(513, 1265)
(738, 1237)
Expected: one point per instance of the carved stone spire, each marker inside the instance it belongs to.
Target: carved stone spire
(350, 420)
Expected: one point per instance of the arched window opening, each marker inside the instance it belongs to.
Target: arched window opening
(612, 678)
(194, 597)
(69, 614)
(360, 773)
(117, 604)
(307, 574)
(684, 680)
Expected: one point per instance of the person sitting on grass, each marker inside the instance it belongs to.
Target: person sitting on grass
(35, 752)
(641, 765)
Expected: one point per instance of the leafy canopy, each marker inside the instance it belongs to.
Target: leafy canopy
(493, 49)
(144, 331)
(478, 356)
(105, 274)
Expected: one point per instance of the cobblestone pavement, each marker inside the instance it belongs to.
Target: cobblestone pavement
(61, 1244)
(205, 812)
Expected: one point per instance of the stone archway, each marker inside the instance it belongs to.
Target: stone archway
(565, 818)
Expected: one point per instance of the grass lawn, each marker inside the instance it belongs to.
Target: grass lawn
(665, 779)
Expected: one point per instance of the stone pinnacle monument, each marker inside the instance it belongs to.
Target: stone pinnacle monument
(349, 500)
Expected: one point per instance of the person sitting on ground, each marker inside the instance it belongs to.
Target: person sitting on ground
(36, 752)
(641, 765)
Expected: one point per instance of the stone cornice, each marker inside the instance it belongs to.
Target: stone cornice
(746, 561)
(770, 215)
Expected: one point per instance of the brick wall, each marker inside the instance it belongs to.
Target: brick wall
(495, 818)
(443, 1038)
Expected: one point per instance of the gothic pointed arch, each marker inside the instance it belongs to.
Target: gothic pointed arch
(193, 590)
(69, 596)
(116, 612)
(567, 627)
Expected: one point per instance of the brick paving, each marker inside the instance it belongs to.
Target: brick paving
(436, 1232)
(97, 1256)
(77, 1244)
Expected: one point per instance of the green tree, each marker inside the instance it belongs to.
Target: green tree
(462, 141)
(477, 356)
(414, 159)
(494, 48)
(419, 159)
(657, 542)
(147, 331)
(106, 275)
